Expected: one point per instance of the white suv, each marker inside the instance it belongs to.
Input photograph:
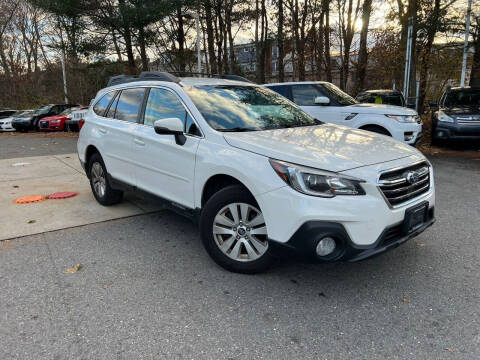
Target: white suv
(261, 176)
(326, 102)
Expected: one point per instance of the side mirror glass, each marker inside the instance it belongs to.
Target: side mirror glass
(322, 100)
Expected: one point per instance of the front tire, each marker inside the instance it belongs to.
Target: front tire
(101, 188)
(234, 233)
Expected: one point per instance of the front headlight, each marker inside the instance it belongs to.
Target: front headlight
(404, 118)
(316, 182)
(444, 117)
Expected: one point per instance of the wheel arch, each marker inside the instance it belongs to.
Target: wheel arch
(217, 182)
(371, 126)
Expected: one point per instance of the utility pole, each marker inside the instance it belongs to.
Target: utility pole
(408, 55)
(64, 74)
(465, 46)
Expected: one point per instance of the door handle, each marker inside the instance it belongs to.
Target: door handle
(103, 131)
(139, 142)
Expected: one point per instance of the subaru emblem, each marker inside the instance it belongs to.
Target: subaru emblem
(412, 177)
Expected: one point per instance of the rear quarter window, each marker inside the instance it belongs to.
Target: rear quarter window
(102, 104)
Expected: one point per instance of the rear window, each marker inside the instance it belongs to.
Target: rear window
(282, 90)
(102, 104)
(129, 104)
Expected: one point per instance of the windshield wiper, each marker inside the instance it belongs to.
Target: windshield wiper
(237, 129)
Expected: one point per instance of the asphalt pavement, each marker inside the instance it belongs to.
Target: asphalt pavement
(148, 290)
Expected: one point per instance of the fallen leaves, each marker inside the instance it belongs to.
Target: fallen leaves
(405, 299)
(74, 269)
(31, 221)
(421, 245)
(449, 349)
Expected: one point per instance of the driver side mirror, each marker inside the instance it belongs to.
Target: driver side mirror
(171, 126)
(322, 100)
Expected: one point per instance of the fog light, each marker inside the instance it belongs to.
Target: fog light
(326, 246)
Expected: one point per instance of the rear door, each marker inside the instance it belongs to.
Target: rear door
(163, 167)
(115, 130)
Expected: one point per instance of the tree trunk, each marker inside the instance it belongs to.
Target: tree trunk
(181, 40)
(425, 59)
(210, 37)
(115, 44)
(475, 73)
(127, 35)
(362, 52)
(143, 52)
(280, 43)
(328, 61)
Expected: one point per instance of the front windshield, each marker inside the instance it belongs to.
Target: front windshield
(465, 97)
(247, 108)
(336, 93)
(42, 110)
(25, 113)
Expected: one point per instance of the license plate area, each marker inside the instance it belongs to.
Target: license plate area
(415, 217)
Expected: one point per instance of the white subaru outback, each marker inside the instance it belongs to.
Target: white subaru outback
(261, 176)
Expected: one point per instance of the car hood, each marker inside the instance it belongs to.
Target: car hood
(463, 110)
(22, 118)
(55, 117)
(328, 146)
(366, 108)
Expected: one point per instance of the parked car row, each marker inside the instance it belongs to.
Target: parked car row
(50, 117)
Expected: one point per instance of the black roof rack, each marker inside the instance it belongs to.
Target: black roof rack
(207, 75)
(144, 76)
(170, 77)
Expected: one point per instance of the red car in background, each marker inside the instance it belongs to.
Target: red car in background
(56, 122)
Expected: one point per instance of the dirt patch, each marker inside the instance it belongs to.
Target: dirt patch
(42, 134)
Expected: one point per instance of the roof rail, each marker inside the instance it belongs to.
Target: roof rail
(144, 76)
(208, 75)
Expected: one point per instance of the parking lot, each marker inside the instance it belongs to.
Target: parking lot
(148, 290)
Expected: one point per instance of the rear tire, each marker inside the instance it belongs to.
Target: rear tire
(236, 239)
(101, 188)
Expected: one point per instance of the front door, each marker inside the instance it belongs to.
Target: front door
(304, 96)
(163, 167)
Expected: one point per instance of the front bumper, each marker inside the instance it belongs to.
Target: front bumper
(6, 127)
(303, 243)
(21, 125)
(455, 131)
(410, 133)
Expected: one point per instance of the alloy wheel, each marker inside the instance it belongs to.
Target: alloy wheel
(98, 179)
(240, 232)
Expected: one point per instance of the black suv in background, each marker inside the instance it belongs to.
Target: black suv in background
(384, 96)
(25, 124)
(457, 115)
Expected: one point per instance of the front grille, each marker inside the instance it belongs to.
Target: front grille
(44, 124)
(401, 185)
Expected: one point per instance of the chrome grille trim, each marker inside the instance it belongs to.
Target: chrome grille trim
(397, 190)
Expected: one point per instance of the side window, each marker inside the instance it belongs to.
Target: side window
(304, 95)
(129, 104)
(164, 104)
(55, 110)
(282, 90)
(113, 107)
(102, 104)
